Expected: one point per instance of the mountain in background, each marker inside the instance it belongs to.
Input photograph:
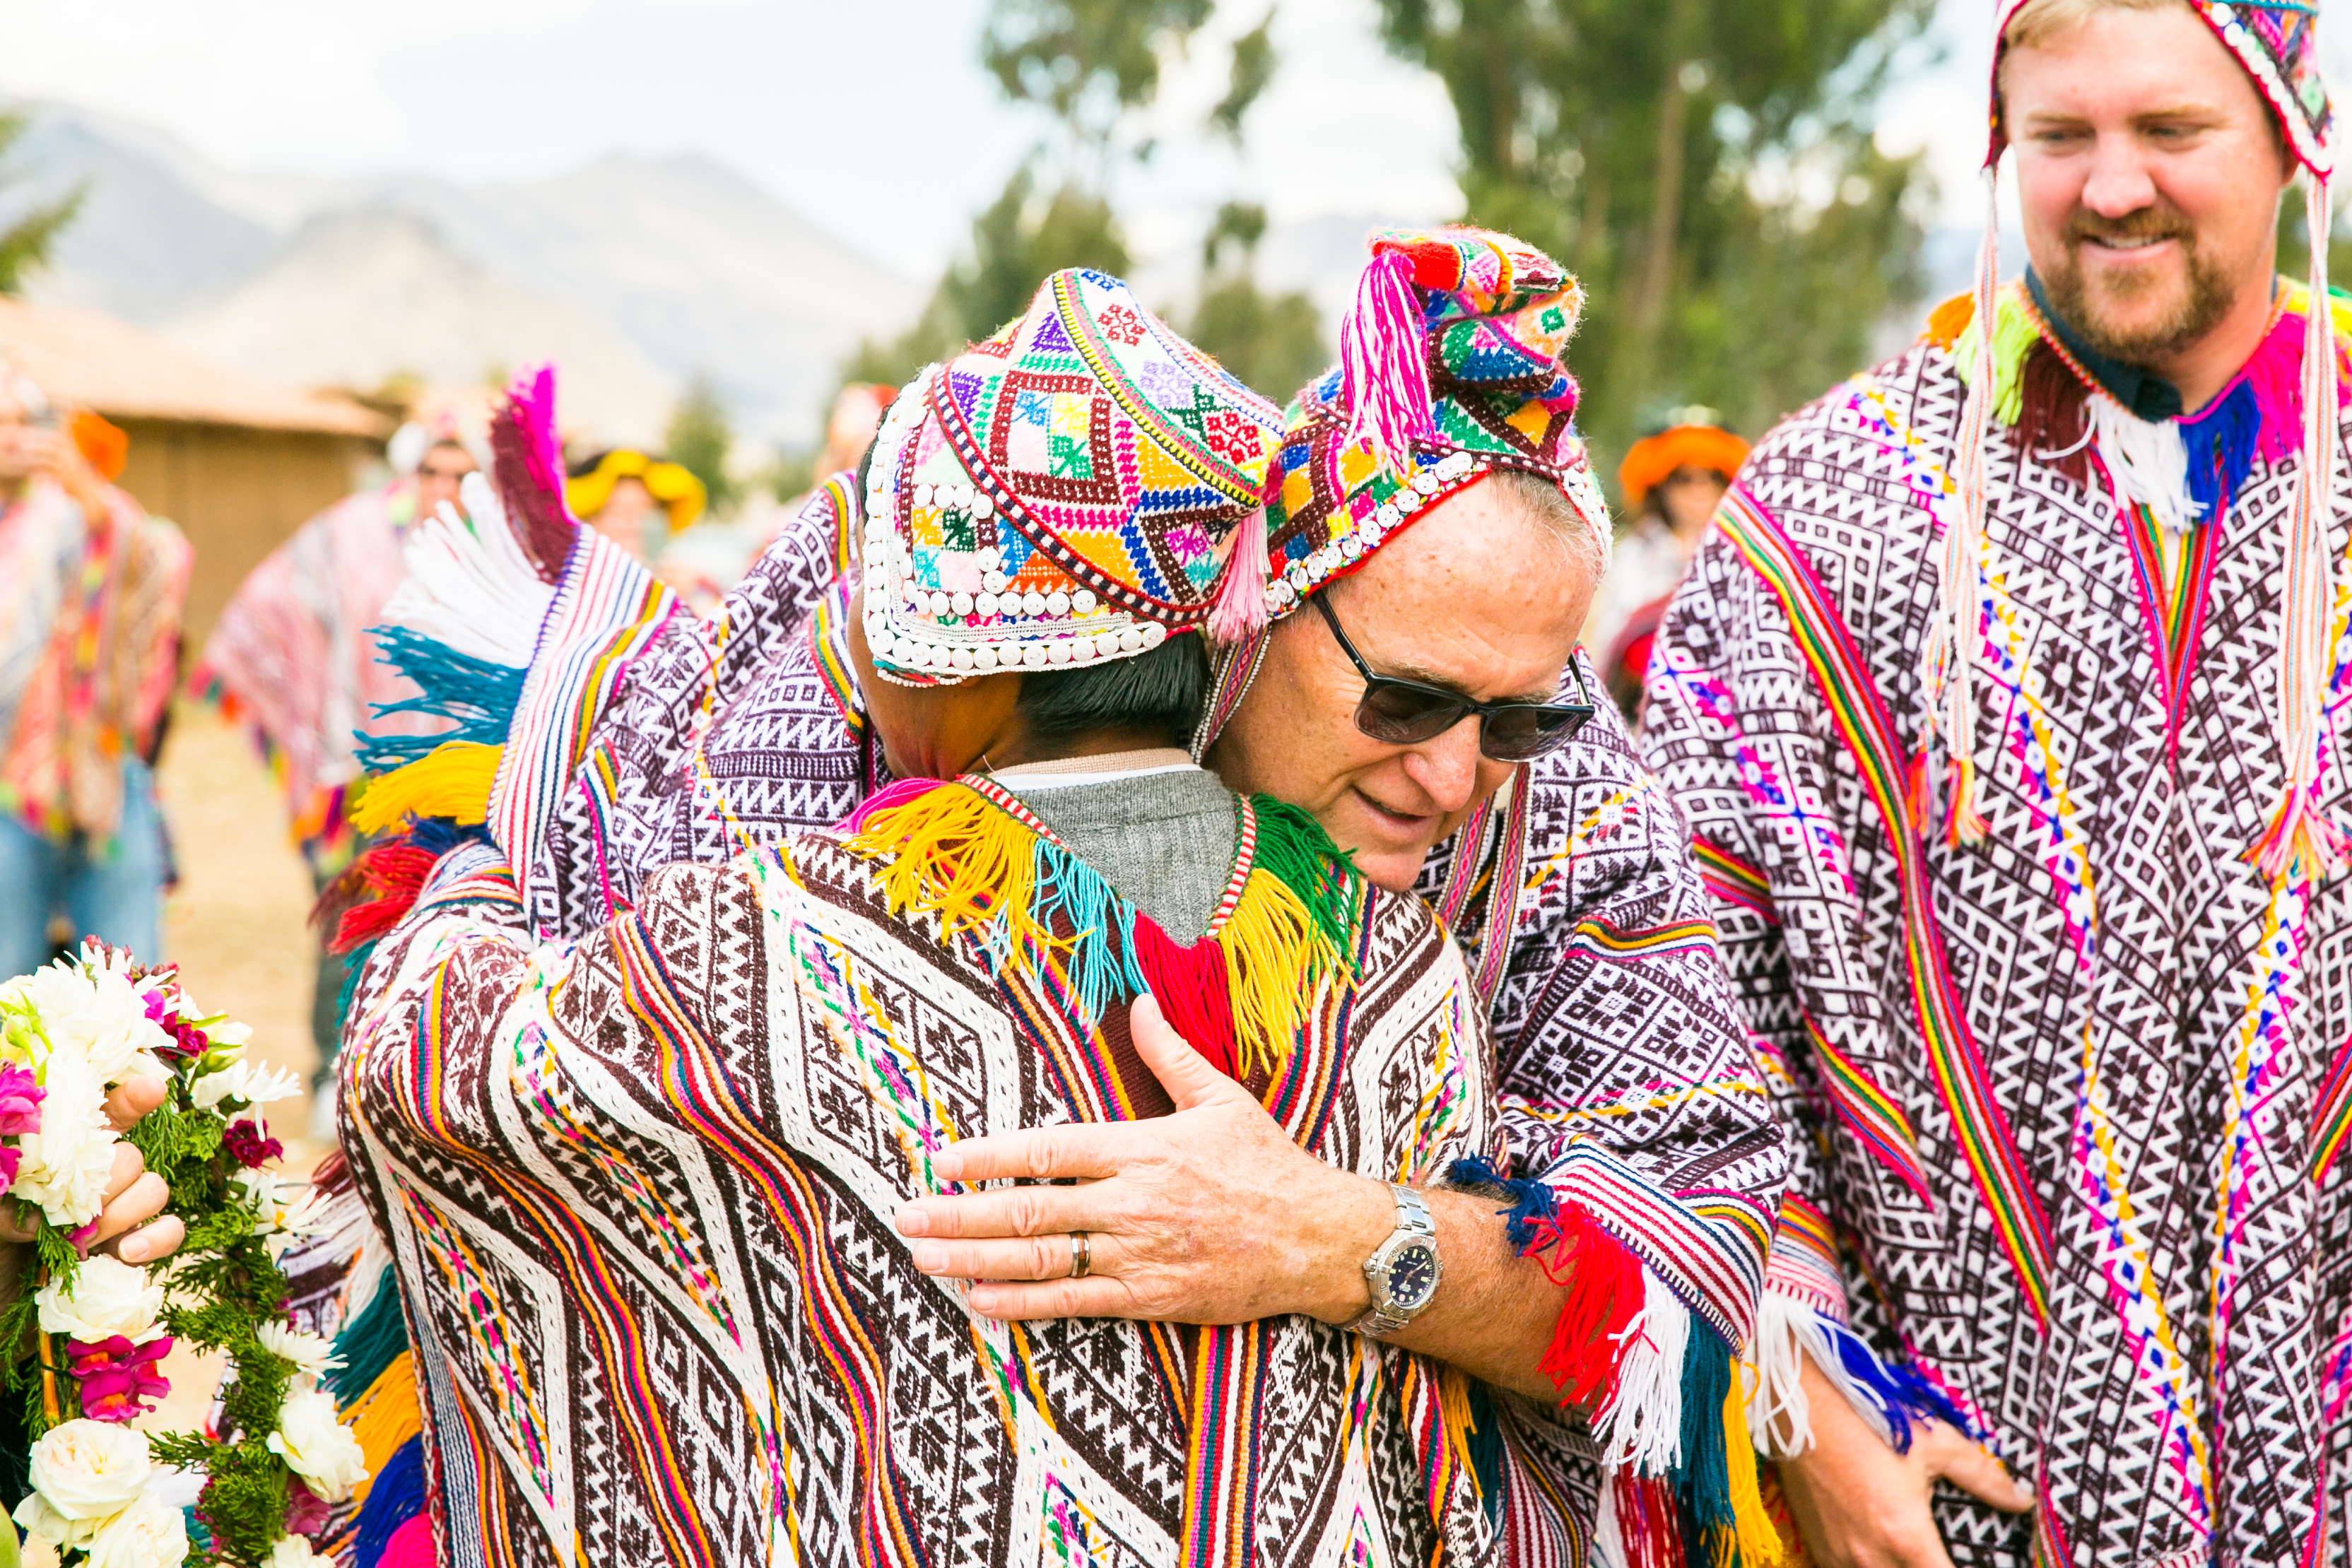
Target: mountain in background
(635, 273)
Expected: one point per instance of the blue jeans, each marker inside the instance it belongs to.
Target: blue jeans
(117, 895)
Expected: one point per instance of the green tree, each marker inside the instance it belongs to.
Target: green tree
(25, 243)
(1705, 167)
(1019, 239)
(698, 439)
(1272, 342)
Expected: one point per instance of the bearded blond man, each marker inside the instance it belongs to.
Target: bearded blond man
(2006, 706)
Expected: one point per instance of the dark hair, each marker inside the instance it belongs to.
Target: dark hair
(1163, 691)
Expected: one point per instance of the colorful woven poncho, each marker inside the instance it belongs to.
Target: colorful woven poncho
(637, 1193)
(89, 629)
(2071, 1096)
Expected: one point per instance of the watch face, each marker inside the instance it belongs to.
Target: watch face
(1412, 1275)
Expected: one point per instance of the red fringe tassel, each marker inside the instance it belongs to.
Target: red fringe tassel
(1189, 983)
(1605, 1293)
(375, 893)
(1646, 1521)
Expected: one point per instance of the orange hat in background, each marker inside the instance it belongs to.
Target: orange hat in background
(102, 444)
(1691, 441)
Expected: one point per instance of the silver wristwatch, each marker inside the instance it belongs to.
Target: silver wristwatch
(1404, 1271)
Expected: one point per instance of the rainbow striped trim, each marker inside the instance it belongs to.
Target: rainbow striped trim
(1734, 881)
(2331, 1119)
(1880, 758)
(607, 612)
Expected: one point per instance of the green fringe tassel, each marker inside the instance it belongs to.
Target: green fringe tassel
(369, 1342)
(1293, 849)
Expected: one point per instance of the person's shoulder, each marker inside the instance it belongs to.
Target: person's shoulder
(1909, 396)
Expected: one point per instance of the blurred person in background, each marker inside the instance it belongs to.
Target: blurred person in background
(294, 657)
(1672, 477)
(91, 590)
(2006, 701)
(637, 501)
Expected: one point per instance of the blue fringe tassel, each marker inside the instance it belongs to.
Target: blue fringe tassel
(397, 1497)
(478, 695)
(1702, 1482)
(2221, 443)
(1531, 1201)
(368, 1344)
(1102, 965)
(1487, 1452)
(1901, 1393)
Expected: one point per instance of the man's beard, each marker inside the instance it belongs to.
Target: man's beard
(2209, 294)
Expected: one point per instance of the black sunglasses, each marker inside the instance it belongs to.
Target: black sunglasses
(1405, 713)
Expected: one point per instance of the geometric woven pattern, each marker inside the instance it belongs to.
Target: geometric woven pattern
(639, 1188)
(2082, 1199)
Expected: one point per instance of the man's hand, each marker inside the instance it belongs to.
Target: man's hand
(134, 1195)
(1859, 1504)
(1209, 1215)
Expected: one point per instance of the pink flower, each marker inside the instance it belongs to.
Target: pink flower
(249, 1146)
(306, 1511)
(20, 1100)
(119, 1380)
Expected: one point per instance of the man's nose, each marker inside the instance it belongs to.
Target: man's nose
(2119, 182)
(1446, 766)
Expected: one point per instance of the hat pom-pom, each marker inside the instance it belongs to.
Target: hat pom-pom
(1241, 600)
(1384, 361)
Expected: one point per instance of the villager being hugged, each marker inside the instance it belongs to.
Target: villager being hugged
(1428, 716)
(2006, 701)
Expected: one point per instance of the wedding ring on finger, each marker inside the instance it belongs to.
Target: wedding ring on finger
(1082, 1255)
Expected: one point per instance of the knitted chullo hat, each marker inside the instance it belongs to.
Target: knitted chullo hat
(1065, 493)
(2278, 45)
(1449, 368)
(1449, 371)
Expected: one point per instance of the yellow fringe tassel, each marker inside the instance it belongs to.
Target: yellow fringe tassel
(385, 1417)
(1279, 967)
(1759, 1537)
(453, 781)
(954, 854)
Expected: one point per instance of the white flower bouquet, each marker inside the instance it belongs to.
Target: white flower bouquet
(277, 1457)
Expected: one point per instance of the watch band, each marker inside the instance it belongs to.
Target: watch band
(1413, 1220)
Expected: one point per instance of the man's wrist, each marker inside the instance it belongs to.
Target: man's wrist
(1361, 1215)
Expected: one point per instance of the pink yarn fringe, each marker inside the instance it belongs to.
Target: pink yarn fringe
(896, 793)
(1241, 602)
(527, 465)
(411, 1545)
(533, 397)
(1384, 361)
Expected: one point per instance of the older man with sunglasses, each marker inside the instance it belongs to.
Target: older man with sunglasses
(1434, 716)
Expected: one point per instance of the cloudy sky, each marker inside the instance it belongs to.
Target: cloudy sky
(874, 119)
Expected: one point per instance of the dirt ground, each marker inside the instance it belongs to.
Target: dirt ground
(237, 927)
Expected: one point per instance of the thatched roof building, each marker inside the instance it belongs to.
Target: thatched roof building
(238, 462)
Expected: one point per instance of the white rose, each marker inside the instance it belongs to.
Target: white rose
(67, 1163)
(147, 1534)
(109, 1297)
(316, 1447)
(89, 1470)
(99, 1016)
(310, 1354)
(50, 1528)
(294, 1552)
(256, 1084)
